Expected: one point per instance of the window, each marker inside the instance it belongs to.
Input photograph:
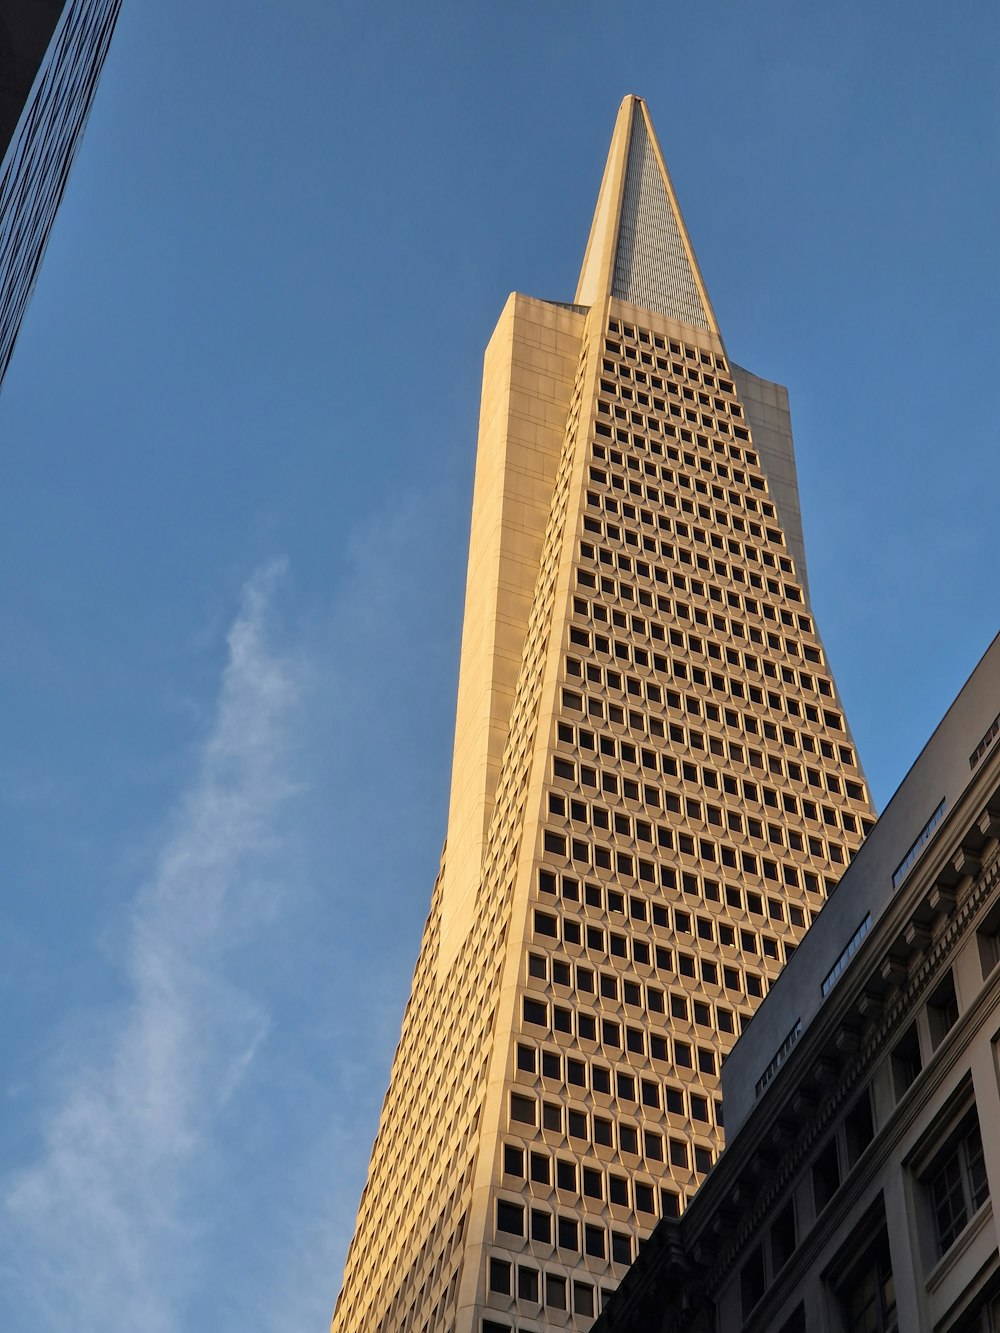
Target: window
(555, 1292)
(513, 1160)
(568, 1233)
(752, 1281)
(583, 1298)
(906, 1063)
(594, 1241)
(859, 1127)
(868, 1299)
(618, 1190)
(957, 1183)
(920, 842)
(826, 1175)
(621, 1248)
(540, 1170)
(988, 936)
(522, 1109)
(782, 1238)
(527, 1284)
(500, 1276)
(510, 1217)
(566, 1175)
(942, 1010)
(853, 945)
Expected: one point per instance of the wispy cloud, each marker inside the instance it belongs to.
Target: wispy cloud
(95, 1230)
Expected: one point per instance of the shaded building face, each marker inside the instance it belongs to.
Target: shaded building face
(51, 56)
(654, 789)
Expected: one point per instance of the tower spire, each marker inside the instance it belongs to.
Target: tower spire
(639, 250)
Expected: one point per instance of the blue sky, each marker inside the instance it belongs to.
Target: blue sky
(236, 451)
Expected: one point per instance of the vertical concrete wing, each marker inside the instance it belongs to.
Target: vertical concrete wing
(770, 420)
(528, 375)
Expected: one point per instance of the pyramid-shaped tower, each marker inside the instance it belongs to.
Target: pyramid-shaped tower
(654, 789)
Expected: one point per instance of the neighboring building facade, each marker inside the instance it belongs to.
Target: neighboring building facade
(863, 1104)
(51, 56)
(654, 790)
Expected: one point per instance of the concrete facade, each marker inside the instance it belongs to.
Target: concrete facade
(863, 1102)
(654, 792)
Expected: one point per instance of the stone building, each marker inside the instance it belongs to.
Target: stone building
(862, 1104)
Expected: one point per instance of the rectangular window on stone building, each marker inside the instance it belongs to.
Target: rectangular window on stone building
(752, 1281)
(783, 1239)
(956, 1183)
(988, 938)
(826, 1175)
(859, 1127)
(867, 1295)
(942, 1009)
(906, 1061)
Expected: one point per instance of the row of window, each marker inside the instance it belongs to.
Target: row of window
(553, 1291)
(576, 1123)
(709, 461)
(725, 687)
(621, 394)
(653, 424)
(621, 825)
(609, 1033)
(692, 739)
(630, 993)
(707, 970)
(681, 669)
(602, 558)
(736, 752)
(722, 623)
(746, 553)
(628, 866)
(613, 900)
(644, 492)
(644, 337)
(693, 706)
(654, 573)
(707, 929)
(516, 1218)
(573, 1073)
(697, 645)
(636, 513)
(624, 1192)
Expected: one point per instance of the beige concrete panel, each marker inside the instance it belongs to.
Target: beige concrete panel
(515, 469)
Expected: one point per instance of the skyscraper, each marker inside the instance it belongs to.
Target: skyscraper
(51, 56)
(654, 788)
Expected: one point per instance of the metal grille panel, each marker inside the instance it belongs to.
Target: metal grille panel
(651, 264)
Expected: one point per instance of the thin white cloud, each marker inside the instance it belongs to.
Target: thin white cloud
(95, 1230)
